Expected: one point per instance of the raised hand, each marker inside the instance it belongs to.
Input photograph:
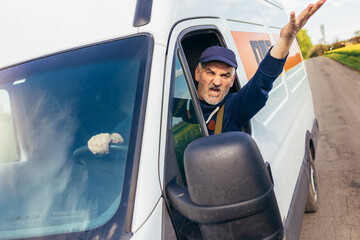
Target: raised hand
(289, 31)
(296, 23)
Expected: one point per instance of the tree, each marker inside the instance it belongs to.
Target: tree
(336, 39)
(304, 42)
(336, 44)
(357, 33)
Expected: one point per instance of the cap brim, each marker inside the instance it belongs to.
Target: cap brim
(219, 58)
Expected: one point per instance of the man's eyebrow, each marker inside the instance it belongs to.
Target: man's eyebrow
(209, 69)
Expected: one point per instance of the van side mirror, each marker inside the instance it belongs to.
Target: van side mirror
(229, 194)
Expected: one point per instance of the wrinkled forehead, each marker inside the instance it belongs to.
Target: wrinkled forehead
(218, 66)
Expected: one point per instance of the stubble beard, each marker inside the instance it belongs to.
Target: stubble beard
(210, 99)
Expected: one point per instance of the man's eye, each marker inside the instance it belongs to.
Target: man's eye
(225, 76)
(210, 73)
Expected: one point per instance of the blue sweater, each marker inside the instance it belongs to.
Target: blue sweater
(241, 106)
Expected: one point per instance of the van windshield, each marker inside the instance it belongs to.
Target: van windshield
(50, 183)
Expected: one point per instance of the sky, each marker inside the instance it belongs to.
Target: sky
(341, 18)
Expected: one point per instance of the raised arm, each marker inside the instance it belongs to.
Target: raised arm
(289, 31)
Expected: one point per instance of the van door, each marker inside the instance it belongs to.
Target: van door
(185, 124)
(183, 119)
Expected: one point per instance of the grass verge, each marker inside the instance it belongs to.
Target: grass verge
(349, 55)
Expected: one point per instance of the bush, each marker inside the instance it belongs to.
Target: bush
(317, 50)
(336, 45)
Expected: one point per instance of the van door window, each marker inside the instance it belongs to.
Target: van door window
(185, 125)
(8, 144)
(184, 120)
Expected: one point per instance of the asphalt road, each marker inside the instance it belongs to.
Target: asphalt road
(336, 95)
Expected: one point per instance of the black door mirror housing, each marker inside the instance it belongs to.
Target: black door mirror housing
(229, 194)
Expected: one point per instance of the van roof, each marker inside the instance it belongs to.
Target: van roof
(34, 28)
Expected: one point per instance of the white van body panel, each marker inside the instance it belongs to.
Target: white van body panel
(38, 27)
(148, 191)
(152, 227)
(165, 14)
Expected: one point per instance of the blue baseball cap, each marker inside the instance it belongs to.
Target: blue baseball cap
(216, 53)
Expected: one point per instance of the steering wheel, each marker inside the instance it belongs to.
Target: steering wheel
(83, 152)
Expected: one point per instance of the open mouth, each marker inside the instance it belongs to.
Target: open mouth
(214, 91)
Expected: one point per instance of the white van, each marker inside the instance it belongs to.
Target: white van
(72, 69)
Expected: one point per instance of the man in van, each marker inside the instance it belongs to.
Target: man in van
(215, 75)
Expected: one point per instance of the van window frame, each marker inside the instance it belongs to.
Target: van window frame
(171, 167)
(179, 52)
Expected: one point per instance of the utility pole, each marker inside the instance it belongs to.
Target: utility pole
(322, 29)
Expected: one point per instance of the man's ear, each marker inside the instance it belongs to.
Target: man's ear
(197, 72)
(232, 81)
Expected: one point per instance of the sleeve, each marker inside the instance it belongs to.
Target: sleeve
(184, 108)
(253, 96)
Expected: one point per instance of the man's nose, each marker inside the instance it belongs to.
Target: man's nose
(217, 80)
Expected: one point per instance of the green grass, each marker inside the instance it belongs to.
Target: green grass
(349, 55)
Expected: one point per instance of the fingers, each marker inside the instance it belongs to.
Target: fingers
(290, 30)
(116, 138)
(292, 17)
(317, 6)
(312, 8)
(90, 145)
(104, 142)
(99, 144)
(304, 16)
(293, 20)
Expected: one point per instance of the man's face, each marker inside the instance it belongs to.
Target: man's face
(215, 79)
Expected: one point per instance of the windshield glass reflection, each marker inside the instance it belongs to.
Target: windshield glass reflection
(49, 181)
